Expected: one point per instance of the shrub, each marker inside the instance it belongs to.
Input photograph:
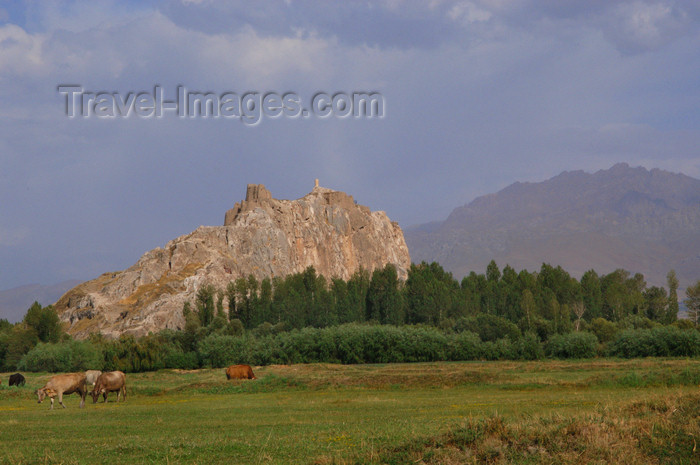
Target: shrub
(489, 327)
(465, 346)
(684, 324)
(528, 347)
(658, 342)
(502, 349)
(218, 350)
(62, 357)
(573, 345)
(604, 330)
(637, 322)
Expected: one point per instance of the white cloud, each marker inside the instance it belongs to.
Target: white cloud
(639, 26)
(20, 52)
(468, 12)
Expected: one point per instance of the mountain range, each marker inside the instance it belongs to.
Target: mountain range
(15, 302)
(641, 220)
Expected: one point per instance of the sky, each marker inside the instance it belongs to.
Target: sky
(477, 95)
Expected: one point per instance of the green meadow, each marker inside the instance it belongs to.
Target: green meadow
(594, 411)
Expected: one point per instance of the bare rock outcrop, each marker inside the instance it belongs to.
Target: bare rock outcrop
(261, 235)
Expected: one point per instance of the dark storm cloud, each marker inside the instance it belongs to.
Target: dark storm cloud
(479, 94)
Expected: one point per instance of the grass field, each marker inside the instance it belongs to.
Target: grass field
(598, 411)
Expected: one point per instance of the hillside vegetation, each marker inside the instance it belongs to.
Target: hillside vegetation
(377, 318)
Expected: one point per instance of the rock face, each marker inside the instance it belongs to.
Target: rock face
(262, 236)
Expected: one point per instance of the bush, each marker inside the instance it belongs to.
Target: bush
(218, 350)
(502, 349)
(489, 327)
(572, 345)
(528, 347)
(637, 322)
(658, 342)
(684, 324)
(62, 357)
(465, 346)
(604, 330)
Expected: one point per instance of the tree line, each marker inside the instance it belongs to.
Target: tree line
(498, 314)
(545, 302)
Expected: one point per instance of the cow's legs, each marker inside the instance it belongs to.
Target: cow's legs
(82, 398)
(60, 399)
(51, 408)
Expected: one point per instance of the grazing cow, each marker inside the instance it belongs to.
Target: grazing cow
(110, 381)
(91, 376)
(64, 384)
(239, 372)
(17, 380)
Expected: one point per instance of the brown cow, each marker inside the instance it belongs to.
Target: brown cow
(110, 381)
(239, 372)
(63, 384)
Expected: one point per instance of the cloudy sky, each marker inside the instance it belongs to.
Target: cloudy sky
(478, 94)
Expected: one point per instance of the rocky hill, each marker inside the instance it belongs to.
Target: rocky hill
(262, 236)
(632, 218)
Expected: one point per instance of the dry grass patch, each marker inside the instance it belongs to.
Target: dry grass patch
(658, 431)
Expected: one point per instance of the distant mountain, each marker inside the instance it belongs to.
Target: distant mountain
(632, 218)
(15, 302)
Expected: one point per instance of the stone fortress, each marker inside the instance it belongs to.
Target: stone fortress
(261, 235)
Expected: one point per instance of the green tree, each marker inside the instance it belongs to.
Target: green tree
(356, 306)
(510, 291)
(592, 295)
(473, 287)
(672, 308)
(264, 302)
(555, 279)
(614, 295)
(656, 304)
(243, 309)
(220, 304)
(231, 298)
(45, 321)
(19, 341)
(384, 301)
(432, 294)
(692, 301)
(527, 306)
(204, 303)
(491, 291)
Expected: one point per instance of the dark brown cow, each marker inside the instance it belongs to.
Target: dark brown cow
(17, 380)
(239, 372)
(64, 384)
(110, 381)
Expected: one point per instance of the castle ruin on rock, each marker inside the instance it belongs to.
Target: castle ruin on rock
(261, 235)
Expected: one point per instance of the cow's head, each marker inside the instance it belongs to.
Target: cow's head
(96, 394)
(44, 393)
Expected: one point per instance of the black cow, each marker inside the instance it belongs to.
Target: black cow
(17, 380)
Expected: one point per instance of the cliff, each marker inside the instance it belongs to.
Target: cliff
(261, 235)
